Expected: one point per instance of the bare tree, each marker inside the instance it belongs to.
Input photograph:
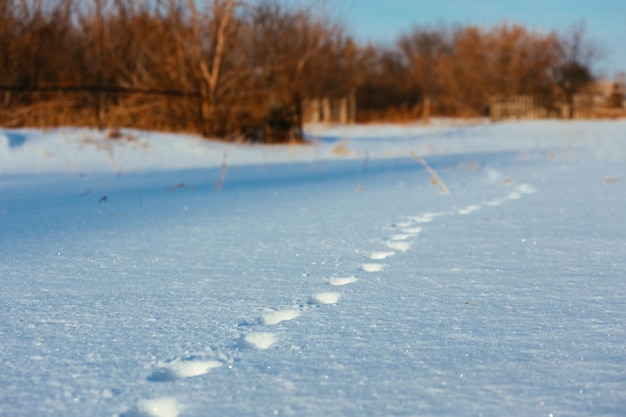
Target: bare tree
(222, 13)
(573, 72)
(290, 53)
(423, 49)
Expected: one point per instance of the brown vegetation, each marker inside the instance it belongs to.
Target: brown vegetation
(220, 67)
(241, 70)
(456, 70)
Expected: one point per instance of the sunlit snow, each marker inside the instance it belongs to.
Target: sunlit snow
(163, 275)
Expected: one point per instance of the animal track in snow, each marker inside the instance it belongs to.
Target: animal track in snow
(403, 224)
(338, 282)
(519, 190)
(258, 341)
(424, 218)
(370, 267)
(514, 195)
(412, 231)
(156, 407)
(182, 368)
(469, 209)
(325, 298)
(377, 256)
(402, 246)
(270, 316)
(495, 203)
(188, 367)
(525, 188)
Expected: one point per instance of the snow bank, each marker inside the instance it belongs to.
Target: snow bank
(72, 150)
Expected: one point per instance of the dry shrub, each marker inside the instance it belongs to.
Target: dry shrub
(210, 67)
(341, 149)
(399, 114)
(236, 69)
(609, 113)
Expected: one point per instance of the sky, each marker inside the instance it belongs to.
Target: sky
(381, 21)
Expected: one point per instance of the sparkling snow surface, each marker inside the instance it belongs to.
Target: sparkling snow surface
(163, 276)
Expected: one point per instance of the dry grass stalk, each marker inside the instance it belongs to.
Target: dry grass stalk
(436, 179)
(220, 180)
(612, 180)
(341, 149)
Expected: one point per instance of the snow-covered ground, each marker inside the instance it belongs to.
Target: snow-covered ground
(449, 270)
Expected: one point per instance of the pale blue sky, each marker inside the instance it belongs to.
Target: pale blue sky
(383, 20)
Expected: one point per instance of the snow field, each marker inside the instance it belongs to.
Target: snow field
(175, 300)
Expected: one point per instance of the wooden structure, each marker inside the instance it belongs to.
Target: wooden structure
(600, 99)
(330, 110)
(518, 107)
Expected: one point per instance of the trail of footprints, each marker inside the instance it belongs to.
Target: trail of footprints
(257, 335)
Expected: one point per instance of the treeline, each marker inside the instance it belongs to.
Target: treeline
(235, 69)
(455, 70)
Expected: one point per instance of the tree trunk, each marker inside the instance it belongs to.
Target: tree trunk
(222, 12)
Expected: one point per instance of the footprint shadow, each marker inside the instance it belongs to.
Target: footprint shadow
(15, 139)
(182, 368)
(163, 375)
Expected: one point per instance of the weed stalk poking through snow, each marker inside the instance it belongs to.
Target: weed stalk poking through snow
(220, 180)
(436, 179)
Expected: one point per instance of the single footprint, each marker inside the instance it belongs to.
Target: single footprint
(325, 298)
(495, 203)
(401, 246)
(370, 267)
(156, 407)
(271, 316)
(377, 256)
(468, 209)
(398, 237)
(412, 230)
(182, 368)
(424, 218)
(340, 281)
(401, 225)
(525, 188)
(258, 341)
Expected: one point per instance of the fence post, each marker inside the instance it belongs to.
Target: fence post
(326, 111)
(352, 103)
(343, 110)
(426, 110)
(314, 106)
